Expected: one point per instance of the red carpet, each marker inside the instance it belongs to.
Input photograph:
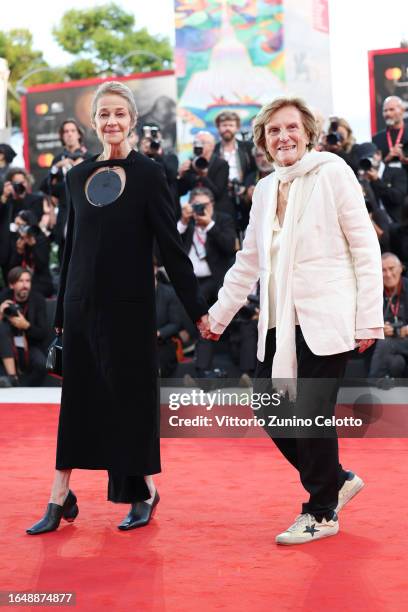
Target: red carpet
(211, 545)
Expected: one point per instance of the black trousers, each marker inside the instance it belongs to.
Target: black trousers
(205, 349)
(316, 459)
(390, 358)
(125, 489)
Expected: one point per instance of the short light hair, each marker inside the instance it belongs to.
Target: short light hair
(118, 89)
(388, 254)
(209, 137)
(266, 112)
(201, 191)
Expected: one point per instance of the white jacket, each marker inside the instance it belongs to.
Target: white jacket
(337, 276)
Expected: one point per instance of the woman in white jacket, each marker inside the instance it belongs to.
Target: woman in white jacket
(311, 244)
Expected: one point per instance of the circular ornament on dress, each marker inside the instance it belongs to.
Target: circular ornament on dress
(104, 187)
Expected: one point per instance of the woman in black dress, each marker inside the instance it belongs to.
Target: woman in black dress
(109, 419)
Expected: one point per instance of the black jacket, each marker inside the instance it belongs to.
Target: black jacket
(37, 258)
(36, 315)
(220, 245)
(380, 139)
(391, 189)
(399, 241)
(246, 160)
(8, 213)
(216, 180)
(403, 304)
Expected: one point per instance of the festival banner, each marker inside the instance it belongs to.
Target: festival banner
(240, 54)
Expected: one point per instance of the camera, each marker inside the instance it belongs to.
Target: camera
(13, 310)
(23, 230)
(396, 326)
(18, 188)
(198, 209)
(199, 162)
(333, 137)
(368, 163)
(29, 230)
(152, 133)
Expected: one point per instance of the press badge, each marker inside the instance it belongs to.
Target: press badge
(394, 164)
(19, 341)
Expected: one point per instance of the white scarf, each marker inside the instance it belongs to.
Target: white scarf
(284, 368)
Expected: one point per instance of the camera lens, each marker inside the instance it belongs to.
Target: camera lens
(365, 164)
(201, 163)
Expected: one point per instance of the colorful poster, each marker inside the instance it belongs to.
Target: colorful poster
(229, 55)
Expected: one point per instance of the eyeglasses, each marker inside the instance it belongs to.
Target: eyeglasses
(200, 203)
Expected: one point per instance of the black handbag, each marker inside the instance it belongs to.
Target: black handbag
(54, 357)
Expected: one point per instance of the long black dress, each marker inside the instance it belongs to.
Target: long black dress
(109, 416)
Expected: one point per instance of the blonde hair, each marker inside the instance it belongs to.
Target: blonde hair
(266, 112)
(349, 141)
(118, 89)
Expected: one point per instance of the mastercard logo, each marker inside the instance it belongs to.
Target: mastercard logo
(393, 74)
(45, 160)
(41, 109)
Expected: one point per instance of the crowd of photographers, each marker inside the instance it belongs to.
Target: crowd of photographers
(212, 195)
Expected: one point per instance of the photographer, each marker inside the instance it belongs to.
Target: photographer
(7, 154)
(74, 152)
(209, 239)
(340, 140)
(31, 251)
(23, 329)
(237, 153)
(151, 145)
(393, 141)
(390, 356)
(389, 184)
(168, 325)
(205, 169)
(16, 196)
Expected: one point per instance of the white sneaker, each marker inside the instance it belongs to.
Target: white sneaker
(351, 487)
(307, 529)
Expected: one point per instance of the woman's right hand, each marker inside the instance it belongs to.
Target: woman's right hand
(186, 214)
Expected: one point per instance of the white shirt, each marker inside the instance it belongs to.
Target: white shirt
(231, 157)
(272, 288)
(200, 265)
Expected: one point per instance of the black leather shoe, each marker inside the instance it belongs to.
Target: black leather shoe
(140, 514)
(52, 518)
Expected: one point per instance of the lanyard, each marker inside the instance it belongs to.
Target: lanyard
(394, 307)
(199, 238)
(398, 139)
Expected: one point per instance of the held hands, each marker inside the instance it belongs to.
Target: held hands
(203, 326)
(363, 345)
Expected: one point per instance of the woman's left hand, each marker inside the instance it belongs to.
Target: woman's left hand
(363, 345)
